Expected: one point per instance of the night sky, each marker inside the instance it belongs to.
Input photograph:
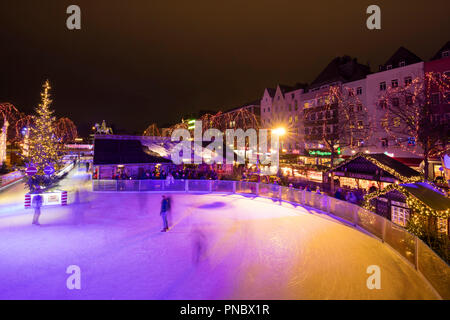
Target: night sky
(136, 62)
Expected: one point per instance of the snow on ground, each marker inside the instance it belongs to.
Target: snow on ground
(219, 247)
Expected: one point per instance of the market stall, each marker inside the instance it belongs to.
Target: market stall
(401, 202)
(371, 172)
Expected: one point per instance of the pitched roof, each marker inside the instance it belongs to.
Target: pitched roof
(429, 195)
(388, 164)
(402, 54)
(344, 69)
(285, 88)
(271, 91)
(399, 167)
(122, 151)
(438, 54)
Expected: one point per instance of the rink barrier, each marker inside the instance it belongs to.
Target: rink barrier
(413, 250)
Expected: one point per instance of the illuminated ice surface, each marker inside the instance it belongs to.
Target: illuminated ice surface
(247, 248)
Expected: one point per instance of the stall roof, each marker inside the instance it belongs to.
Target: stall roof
(392, 166)
(123, 151)
(429, 195)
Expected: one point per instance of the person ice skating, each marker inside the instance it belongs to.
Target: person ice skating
(164, 210)
(198, 245)
(37, 204)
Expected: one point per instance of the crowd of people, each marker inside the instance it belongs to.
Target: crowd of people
(176, 174)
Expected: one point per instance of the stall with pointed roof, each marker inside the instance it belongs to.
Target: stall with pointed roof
(372, 172)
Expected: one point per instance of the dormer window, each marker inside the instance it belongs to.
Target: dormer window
(389, 67)
(402, 63)
(445, 54)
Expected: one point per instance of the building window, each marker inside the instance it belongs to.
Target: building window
(411, 141)
(382, 86)
(296, 118)
(445, 54)
(306, 131)
(389, 67)
(435, 98)
(359, 107)
(359, 91)
(385, 142)
(360, 125)
(395, 102)
(408, 81)
(290, 119)
(396, 122)
(296, 105)
(399, 215)
(402, 63)
(394, 83)
(268, 109)
(409, 100)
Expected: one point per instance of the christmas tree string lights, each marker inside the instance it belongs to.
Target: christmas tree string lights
(43, 146)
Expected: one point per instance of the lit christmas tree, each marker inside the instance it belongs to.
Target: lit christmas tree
(43, 149)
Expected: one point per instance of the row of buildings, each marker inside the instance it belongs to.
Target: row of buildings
(302, 109)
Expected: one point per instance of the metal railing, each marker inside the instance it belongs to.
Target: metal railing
(435, 270)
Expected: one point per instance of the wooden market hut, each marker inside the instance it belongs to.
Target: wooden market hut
(113, 155)
(399, 203)
(363, 171)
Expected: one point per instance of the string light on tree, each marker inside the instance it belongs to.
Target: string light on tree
(43, 143)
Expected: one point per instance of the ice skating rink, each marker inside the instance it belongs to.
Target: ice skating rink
(219, 247)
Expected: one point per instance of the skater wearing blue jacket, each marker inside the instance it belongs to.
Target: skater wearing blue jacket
(164, 210)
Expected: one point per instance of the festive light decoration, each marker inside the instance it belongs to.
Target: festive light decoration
(344, 120)
(382, 166)
(416, 205)
(152, 131)
(411, 112)
(3, 135)
(44, 146)
(65, 130)
(9, 115)
(241, 118)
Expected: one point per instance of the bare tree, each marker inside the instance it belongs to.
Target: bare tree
(344, 121)
(412, 115)
(152, 130)
(65, 130)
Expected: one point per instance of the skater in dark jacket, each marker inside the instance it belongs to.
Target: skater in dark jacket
(164, 210)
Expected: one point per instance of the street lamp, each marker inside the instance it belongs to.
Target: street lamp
(279, 131)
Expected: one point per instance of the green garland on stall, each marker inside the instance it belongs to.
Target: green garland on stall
(413, 203)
